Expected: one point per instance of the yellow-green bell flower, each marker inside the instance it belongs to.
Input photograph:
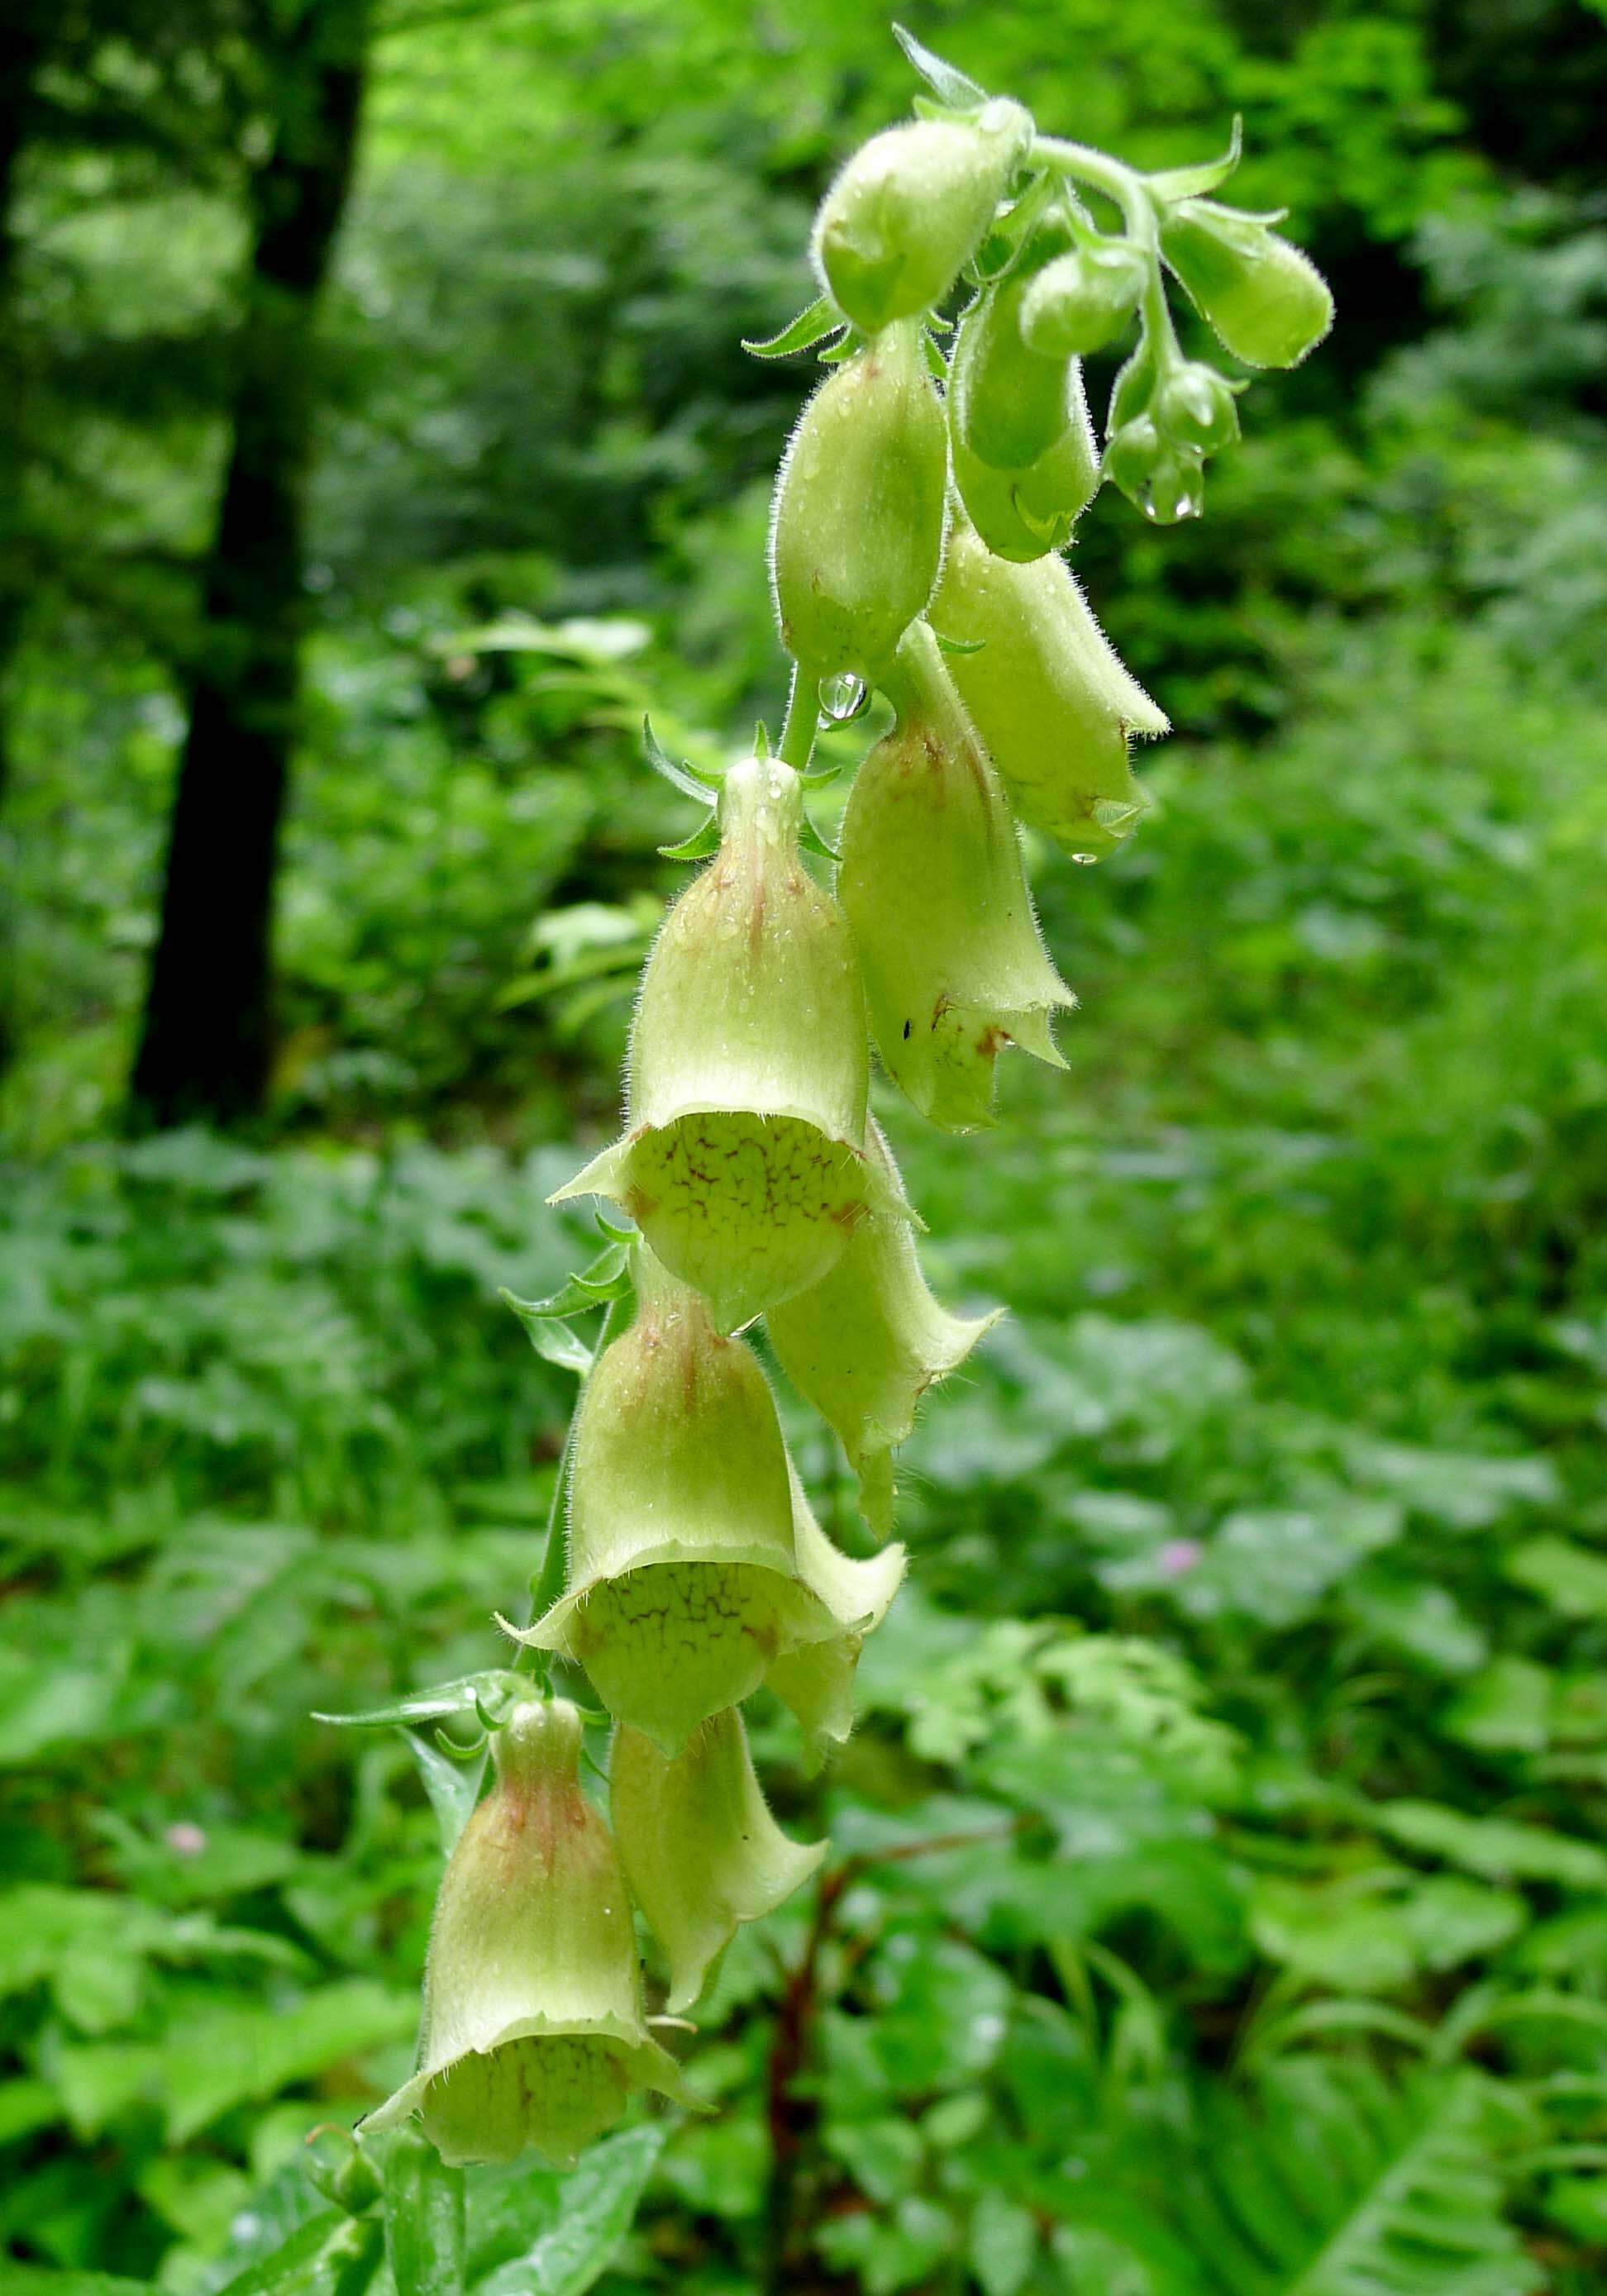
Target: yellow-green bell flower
(534, 2034)
(817, 1680)
(857, 532)
(684, 1582)
(909, 210)
(931, 881)
(1026, 463)
(865, 1345)
(1047, 691)
(699, 1848)
(743, 1157)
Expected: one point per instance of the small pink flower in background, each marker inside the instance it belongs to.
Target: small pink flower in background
(184, 1840)
(1179, 1556)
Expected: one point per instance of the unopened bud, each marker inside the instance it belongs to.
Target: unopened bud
(1084, 299)
(817, 1680)
(683, 1578)
(909, 209)
(1026, 506)
(1007, 403)
(743, 1159)
(1164, 480)
(533, 2033)
(933, 888)
(865, 1344)
(1046, 691)
(1197, 409)
(1268, 303)
(858, 533)
(699, 1848)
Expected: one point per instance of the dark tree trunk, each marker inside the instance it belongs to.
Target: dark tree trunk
(206, 1041)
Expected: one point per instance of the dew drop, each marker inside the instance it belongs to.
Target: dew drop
(842, 698)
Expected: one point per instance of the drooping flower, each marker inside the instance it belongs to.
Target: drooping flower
(909, 209)
(865, 1344)
(816, 1679)
(699, 1848)
(857, 532)
(1047, 691)
(1025, 461)
(684, 1584)
(743, 1157)
(931, 881)
(534, 2033)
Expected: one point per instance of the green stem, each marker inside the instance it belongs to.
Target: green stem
(548, 1583)
(1129, 191)
(796, 745)
(915, 680)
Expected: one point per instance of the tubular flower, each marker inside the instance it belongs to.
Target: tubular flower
(533, 2029)
(699, 1848)
(684, 1580)
(933, 885)
(865, 1345)
(1046, 691)
(909, 209)
(817, 1680)
(743, 1157)
(1025, 460)
(858, 533)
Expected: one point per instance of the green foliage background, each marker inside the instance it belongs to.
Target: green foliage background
(1250, 1686)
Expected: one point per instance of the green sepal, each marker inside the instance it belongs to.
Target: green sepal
(811, 840)
(469, 1694)
(1192, 182)
(822, 318)
(937, 365)
(843, 350)
(959, 646)
(607, 1278)
(944, 79)
(704, 841)
(692, 781)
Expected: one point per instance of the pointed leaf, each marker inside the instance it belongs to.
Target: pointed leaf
(704, 841)
(1194, 182)
(689, 779)
(822, 318)
(943, 79)
(437, 1703)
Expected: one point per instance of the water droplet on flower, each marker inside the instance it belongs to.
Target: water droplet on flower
(842, 698)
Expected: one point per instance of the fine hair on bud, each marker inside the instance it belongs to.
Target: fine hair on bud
(1047, 691)
(910, 208)
(857, 535)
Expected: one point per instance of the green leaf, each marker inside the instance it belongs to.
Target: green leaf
(331, 2255)
(822, 318)
(30, 2280)
(424, 2217)
(810, 839)
(961, 93)
(1571, 1578)
(597, 2202)
(1497, 1848)
(703, 841)
(691, 780)
(1173, 184)
(452, 1784)
(1505, 1709)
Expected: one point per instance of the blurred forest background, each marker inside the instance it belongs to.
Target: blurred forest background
(1221, 1897)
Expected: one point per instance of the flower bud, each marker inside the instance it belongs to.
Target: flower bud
(1082, 301)
(857, 532)
(931, 883)
(817, 1680)
(864, 1345)
(533, 2030)
(743, 1159)
(1007, 403)
(1196, 408)
(1268, 303)
(699, 1848)
(1021, 508)
(909, 210)
(683, 1578)
(1045, 690)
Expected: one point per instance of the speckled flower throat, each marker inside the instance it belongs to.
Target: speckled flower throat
(919, 515)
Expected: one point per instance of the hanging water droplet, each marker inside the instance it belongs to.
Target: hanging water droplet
(842, 698)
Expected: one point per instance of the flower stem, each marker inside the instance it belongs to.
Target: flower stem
(797, 745)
